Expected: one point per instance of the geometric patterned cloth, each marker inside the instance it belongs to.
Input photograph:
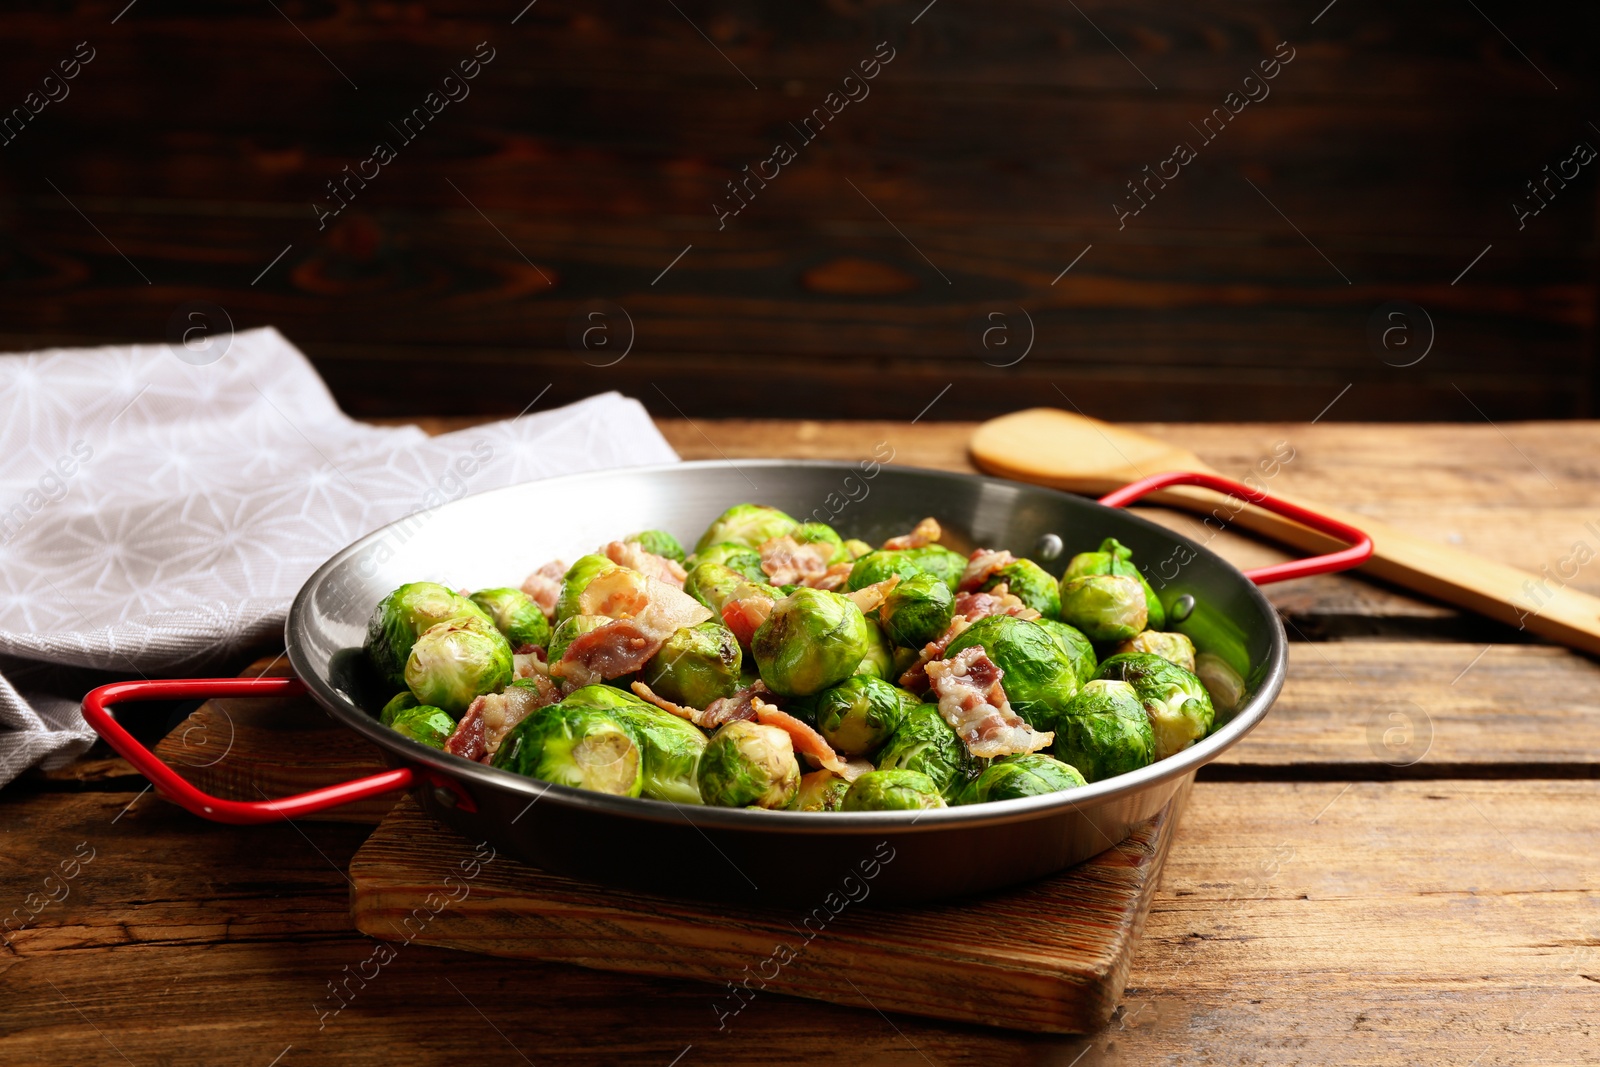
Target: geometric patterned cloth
(158, 512)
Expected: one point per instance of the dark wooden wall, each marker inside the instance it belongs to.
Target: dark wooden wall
(590, 150)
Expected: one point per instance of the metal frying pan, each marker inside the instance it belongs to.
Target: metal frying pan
(495, 538)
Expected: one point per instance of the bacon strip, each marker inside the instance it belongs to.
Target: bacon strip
(788, 562)
(543, 586)
(832, 578)
(925, 533)
(806, 741)
(870, 598)
(745, 615)
(645, 611)
(915, 677)
(530, 663)
(998, 601)
(737, 706)
(683, 711)
(981, 566)
(629, 554)
(973, 703)
(467, 740)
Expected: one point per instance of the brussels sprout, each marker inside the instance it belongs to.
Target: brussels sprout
(750, 525)
(812, 639)
(567, 629)
(514, 614)
(892, 791)
(1031, 584)
(670, 748)
(696, 665)
(585, 570)
(918, 610)
(745, 561)
(715, 585)
(936, 560)
(400, 702)
(748, 763)
(820, 533)
(1105, 731)
(1114, 557)
(402, 616)
(426, 725)
(879, 660)
(1106, 607)
(455, 661)
(1174, 648)
(925, 743)
(859, 714)
(856, 548)
(1079, 648)
(1038, 676)
(658, 542)
(820, 791)
(581, 747)
(1010, 777)
(1179, 706)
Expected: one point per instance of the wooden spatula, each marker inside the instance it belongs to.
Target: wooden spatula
(1083, 455)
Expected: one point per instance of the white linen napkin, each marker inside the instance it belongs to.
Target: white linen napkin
(156, 514)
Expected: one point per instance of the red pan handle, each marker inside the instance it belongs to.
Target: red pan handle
(1360, 544)
(97, 710)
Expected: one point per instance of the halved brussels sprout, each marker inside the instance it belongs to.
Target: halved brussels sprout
(696, 665)
(581, 747)
(925, 743)
(812, 639)
(1106, 607)
(670, 748)
(892, 791)
(1114, 557)
(879, 660)
(456, 661)
(918, 610)
(1104, 731)
(402, 616)
(820, 791)
(1174, 648)
(1080, 650)
(1179, 707)
(748, 763)
(1031, 584)
(744, 561)
(750, 525)
(658, 542)
(1038, 675)
(716, 585)
(398, 703)
(514, 614)
(568, 629)
(583, 571)
(856, 547)
(878, 566)
(820, 533)
(859, 714)
(424, 724)
(1010, 777)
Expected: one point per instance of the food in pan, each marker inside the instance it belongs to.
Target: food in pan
(781, 666)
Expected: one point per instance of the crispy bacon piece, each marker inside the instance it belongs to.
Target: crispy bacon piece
(926, 532)
(998, 601)
(631, 555)
(745, 615)
(870, 598)
(645, 611)
(981, 565)
(737, 706)
(467, 740)
(807, 742)
(915, 677)
(973, 703)
(855, 768)
(543, 586)
(530, 663)
(683, 711)
(832, 578)
(788, 562)
(491, 716)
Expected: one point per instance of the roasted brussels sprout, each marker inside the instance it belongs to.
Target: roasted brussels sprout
(515, 615)
(918, 610)
(925, 743)
(1105, 731)
(750, 525)
(1174, 648)
(1179, 707)
(1079, 648)
(455, 661)
(748, 763)
(398, 703)
(1113, 557)
(716, 585)
(879, 660)
(936, 560)
(402, 616)
(696, 665)
(1038, 675)
(859, 714)
(856, 548)
(744, 561)
(820, 791)
(426, 725)
(812, 639)
(820, 533)
(670, 748)
(1010, 777)
(1106, 607)
(567, 629)
(892, 791)
(577, 746)
(583, 571)
(658, 542)
(1031, 584)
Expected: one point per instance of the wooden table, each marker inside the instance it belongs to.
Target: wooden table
(1399, 866)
